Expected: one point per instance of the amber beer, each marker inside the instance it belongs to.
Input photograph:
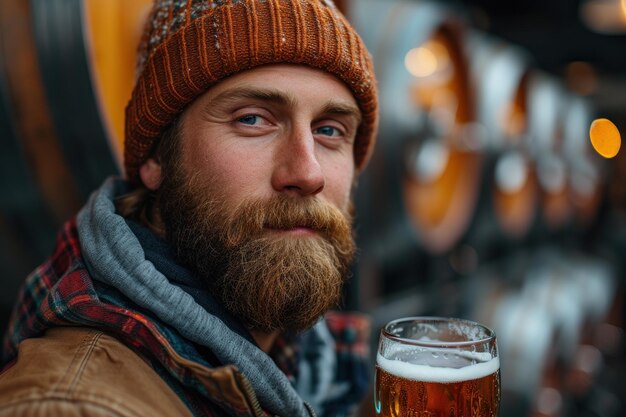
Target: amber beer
(430, 375)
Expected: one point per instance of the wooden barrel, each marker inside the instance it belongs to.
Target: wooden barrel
(27, 225)
(514, 194)
(426, 173)
(587, 179)
(66, 72)
(69, 67)
(112, 34)
(29, 113)
(443, 175)
(499, 73)
(546, 101)
(38, 192)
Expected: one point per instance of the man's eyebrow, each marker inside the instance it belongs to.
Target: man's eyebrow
(255, 94)
(341, 108)
(279, 97)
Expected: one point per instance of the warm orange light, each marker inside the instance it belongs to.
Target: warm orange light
(604, 16)
(426, 60)
(605, 137)
(421, 62)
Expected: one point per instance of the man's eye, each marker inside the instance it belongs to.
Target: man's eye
(327, 131)
(250, 119)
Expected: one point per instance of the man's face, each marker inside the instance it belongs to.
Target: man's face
(259, 200)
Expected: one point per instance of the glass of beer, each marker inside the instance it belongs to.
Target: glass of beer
(437, 367)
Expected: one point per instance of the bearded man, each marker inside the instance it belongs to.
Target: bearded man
(197, 284)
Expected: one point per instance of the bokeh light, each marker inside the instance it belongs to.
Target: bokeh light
(605, 137)
(427, 60)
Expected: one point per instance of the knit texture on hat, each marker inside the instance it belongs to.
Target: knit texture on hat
(189, 45)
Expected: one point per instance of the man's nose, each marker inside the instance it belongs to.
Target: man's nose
(297, 169)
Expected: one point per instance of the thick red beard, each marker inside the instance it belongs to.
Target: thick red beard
(268, 278)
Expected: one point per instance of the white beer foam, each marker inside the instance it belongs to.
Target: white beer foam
(427, 373)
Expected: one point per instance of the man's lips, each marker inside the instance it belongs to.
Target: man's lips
(298, 230)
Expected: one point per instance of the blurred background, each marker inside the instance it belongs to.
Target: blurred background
(485, 198)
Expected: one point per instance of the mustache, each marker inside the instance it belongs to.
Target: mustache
(255, 217)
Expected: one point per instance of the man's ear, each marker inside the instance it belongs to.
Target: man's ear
(150, 174)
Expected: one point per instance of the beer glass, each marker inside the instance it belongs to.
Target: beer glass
(437, 367)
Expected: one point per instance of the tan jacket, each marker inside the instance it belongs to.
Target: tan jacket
(74, 372)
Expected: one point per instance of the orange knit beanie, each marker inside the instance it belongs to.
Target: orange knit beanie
(189, 45)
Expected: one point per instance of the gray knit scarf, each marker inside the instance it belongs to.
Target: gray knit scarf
(114, 255)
